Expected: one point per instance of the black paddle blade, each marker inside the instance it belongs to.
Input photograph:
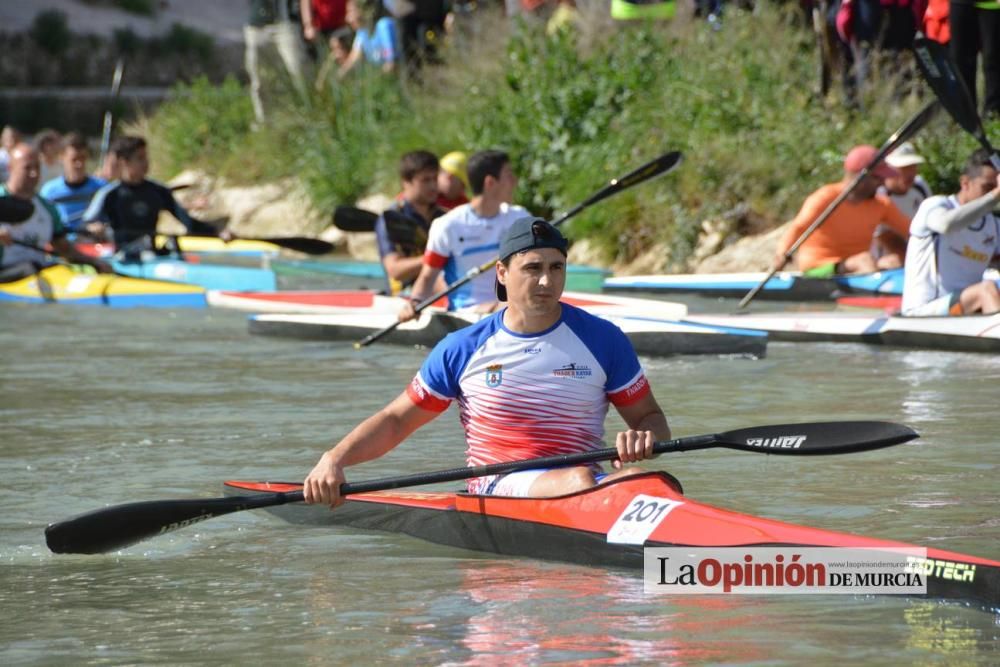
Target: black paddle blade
(351, 219)
(939, 71)
(13, 209)
(818, 437)
(304, 244)
(117, 527)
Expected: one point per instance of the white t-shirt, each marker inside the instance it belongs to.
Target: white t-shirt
(460, 240)
(522, 396)
(909, 201)
(939, 264)
(38, 230)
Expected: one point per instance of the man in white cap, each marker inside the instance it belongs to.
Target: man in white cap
(906, 189)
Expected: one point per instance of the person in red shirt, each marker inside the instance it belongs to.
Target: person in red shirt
(866, 232)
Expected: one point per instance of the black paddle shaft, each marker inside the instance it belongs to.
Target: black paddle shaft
(910, 128)
(118, 526)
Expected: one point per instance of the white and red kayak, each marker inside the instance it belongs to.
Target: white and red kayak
(583, 528)
(655, 327)
(969, 333)
(357, 301)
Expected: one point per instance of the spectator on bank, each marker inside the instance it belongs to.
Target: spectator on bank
(975, 30)
(71, 192)
(867, 26)
(48, 143)
(906, 189)
(378, 45)
(326, 20)
(273, 23)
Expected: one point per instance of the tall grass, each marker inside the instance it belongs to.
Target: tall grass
(575, 111)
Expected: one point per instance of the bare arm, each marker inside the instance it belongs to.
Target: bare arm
(943, 221)
(305, 11)
(422, 289)
(403, 269)
(372, 438)
(646, 423)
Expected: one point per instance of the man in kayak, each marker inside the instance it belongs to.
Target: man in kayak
(534, 379)
(131, 206)
(71, 192)
(401, 230)
(469, 235)
(865, 233)
(42, 228)
(952, 240)
(907, 190)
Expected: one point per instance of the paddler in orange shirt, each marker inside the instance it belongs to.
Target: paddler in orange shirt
(865, 233)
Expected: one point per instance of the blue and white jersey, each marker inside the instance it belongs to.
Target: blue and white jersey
(71, 211)
(939, 264)
(522, 396)
(460, 240)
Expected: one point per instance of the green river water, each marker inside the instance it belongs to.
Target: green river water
(103, 407)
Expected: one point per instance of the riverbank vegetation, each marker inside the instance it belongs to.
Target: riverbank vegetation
(575, 110)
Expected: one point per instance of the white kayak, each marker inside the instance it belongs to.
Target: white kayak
(357, 301)
(971, 333)
(649, 335)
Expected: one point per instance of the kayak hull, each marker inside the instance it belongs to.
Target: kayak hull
(784, 286)
(575, 528)
(650, 336)
(62, 284)
(208, 276)
(971, 333)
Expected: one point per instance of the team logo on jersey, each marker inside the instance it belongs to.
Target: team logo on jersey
(572, 370)
(494, 375)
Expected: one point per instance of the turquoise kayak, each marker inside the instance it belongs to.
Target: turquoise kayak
(209, 276)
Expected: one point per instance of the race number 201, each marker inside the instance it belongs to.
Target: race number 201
(639, 520)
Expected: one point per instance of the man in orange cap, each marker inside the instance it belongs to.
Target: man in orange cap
(866, 232)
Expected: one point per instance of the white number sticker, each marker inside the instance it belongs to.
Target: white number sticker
(639, 520)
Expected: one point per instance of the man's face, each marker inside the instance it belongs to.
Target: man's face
(973, 188)
(135, 168)
(25, 169)
(868, 186)
(74, 161)
(449, 185)
(505, 184)
(422, 189)
(534, 280)
(901, 184)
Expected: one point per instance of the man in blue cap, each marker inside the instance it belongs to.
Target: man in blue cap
(534, 379)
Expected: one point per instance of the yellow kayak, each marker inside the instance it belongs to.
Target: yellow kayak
(211, 244)
(66, 284)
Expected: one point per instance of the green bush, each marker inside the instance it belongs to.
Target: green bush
(575, 113)
(50, 30)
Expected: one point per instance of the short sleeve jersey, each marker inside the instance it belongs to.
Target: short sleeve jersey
(40, 229)
(460, 240)
(522, 396)
(939, 264)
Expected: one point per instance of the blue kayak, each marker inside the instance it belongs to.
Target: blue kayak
(784, 286)
(209, 276)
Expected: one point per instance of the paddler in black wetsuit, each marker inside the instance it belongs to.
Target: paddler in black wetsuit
(132, 205)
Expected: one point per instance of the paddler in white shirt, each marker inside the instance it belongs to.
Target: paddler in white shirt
(952, 241)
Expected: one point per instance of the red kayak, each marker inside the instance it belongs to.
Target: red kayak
(576, 528)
